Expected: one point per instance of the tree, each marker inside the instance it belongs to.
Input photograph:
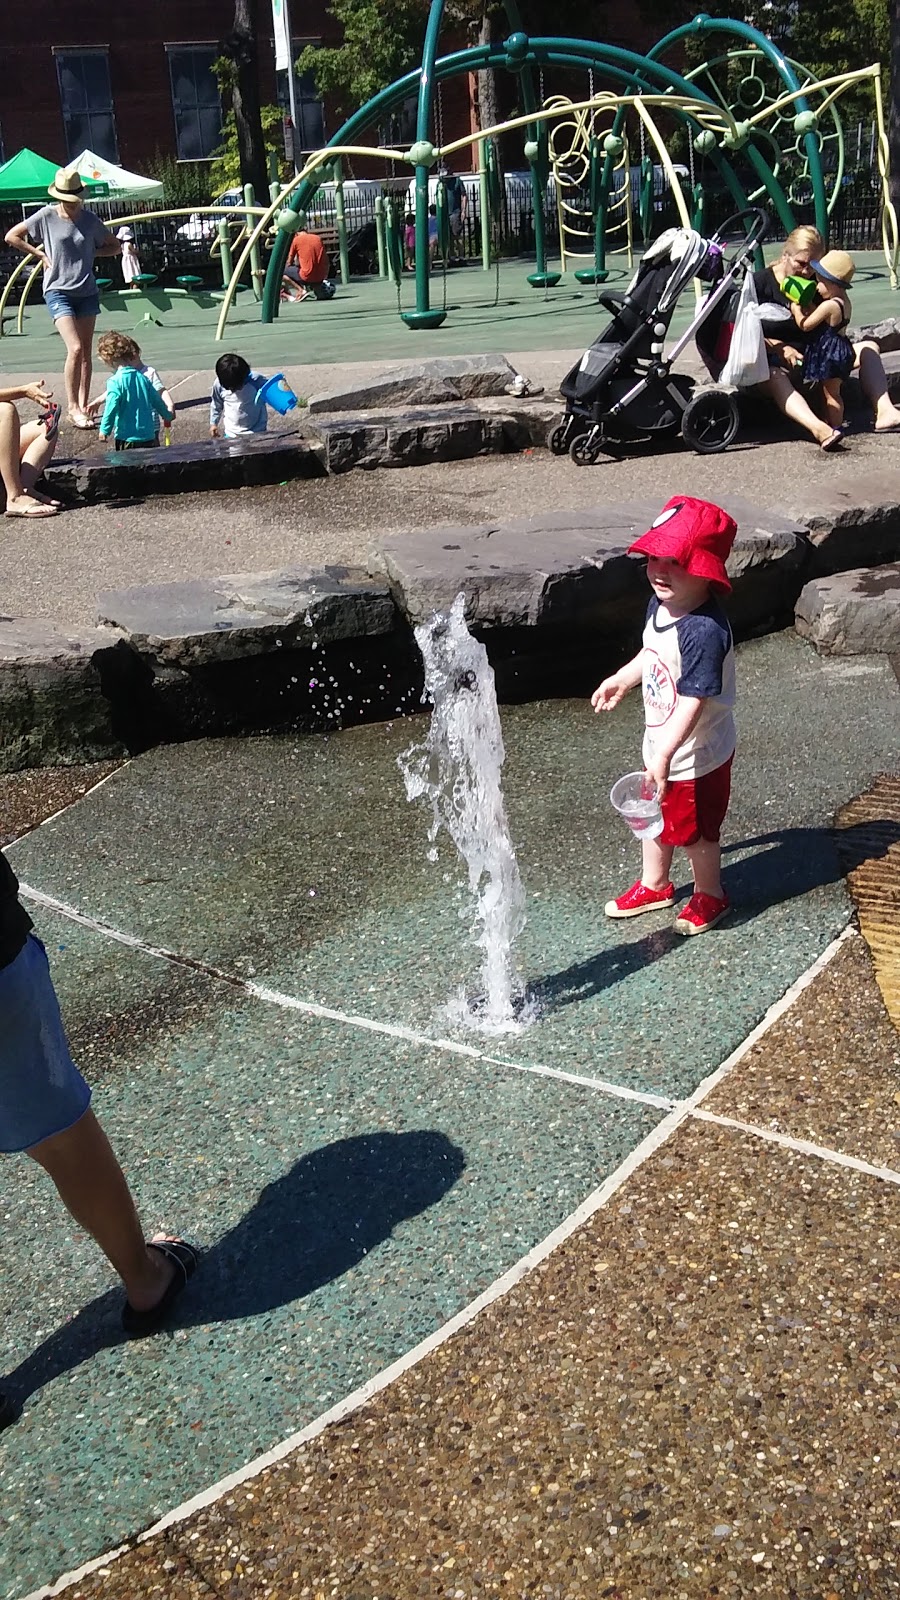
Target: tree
(226, 172)
(237, 70)
(382, 40)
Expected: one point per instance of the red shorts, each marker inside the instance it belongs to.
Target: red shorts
(694, 808)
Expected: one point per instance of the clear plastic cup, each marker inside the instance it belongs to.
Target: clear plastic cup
(635, 798)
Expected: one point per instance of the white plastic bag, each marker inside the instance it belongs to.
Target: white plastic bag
(747, 361)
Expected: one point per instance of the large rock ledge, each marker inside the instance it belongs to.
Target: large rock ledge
(555, 598)
(852, 613)
(569, 569)
(183, 469)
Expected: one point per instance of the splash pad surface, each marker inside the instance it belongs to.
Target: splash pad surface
(354, 1180)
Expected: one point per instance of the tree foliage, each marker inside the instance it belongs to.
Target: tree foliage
(383, 39)
(225, 172)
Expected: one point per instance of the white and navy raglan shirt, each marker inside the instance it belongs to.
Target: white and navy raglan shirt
(693, 656)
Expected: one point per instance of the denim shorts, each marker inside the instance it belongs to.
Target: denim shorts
(61, 304)
(41, 1090)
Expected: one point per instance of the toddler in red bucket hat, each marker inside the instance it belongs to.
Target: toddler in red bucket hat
(686, 669)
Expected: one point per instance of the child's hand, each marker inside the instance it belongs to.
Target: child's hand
(93, 406)
(610, 692)
(657, 771)
(103, 436)
(214, 432)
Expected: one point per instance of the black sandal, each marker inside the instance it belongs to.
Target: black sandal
(184, 1258)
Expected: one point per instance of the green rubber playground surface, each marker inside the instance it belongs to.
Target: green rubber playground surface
(285, 1093)
(362, 322)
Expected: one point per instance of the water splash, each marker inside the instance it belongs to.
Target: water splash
(457, 768)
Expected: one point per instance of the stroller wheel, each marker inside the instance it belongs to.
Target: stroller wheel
(583, 451)
(558, 437)
(710, 422)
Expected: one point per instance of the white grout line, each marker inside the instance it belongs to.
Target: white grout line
(776, 1010)
(45, 821)
(312, 1008)
(648, 1147)
(803, 1147)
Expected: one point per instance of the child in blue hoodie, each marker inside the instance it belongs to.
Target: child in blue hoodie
(133, 406)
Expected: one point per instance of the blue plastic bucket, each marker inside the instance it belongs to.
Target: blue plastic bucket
(277, 393)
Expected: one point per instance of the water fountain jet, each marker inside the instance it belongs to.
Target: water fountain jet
(457, 767)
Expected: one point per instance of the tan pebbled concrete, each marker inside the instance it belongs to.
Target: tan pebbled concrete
(696, 1395)
(829, 1069)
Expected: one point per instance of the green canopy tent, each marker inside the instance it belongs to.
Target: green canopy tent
(26, 177)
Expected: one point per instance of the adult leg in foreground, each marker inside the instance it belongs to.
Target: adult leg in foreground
(36, 448)
(18, 481)
(92, 1187)
(791, 403)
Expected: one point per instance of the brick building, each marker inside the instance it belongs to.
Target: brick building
(131, 81)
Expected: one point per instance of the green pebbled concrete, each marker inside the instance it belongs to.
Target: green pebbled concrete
(351, 1191)
(299, 864)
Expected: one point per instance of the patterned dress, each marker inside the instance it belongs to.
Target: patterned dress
(828, 354)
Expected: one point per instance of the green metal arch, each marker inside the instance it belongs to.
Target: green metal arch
(743, 30)
(640, 72)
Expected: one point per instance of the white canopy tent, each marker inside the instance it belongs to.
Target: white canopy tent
(122, 185)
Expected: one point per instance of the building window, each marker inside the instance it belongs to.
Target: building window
(310, 115)
(86, 100)
(196, 105)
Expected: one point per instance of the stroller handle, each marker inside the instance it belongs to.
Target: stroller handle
(755, 234)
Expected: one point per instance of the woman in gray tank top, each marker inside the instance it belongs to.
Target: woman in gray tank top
(67, 237)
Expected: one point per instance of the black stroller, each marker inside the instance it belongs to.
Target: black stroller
(623, 391)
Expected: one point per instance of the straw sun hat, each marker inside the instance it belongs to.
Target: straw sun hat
(66, 186)
(836, 267)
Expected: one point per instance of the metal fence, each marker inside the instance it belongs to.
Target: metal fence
(172, 247)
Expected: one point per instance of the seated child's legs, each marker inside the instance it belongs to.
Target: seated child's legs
(834, 401)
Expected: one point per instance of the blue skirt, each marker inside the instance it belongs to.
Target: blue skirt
(829, 355)
(41, 1090)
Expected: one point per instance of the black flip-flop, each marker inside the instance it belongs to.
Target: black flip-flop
(184, 1258)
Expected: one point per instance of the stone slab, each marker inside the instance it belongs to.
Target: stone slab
(886, 332)
(421, 383)
(852, 613)
(570, 567)
(52, 706)
(181, 469)
(415, 437)
(854, 523)
(245, 614)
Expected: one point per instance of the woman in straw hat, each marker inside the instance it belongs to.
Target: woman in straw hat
(785, 344)
(67, 237)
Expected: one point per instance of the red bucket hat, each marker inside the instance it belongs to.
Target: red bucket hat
(695, 533)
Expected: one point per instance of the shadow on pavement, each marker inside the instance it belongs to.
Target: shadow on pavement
(779, 866)
(305, 1230)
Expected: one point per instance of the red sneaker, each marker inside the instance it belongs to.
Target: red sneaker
(701, 913)
(639, 899)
